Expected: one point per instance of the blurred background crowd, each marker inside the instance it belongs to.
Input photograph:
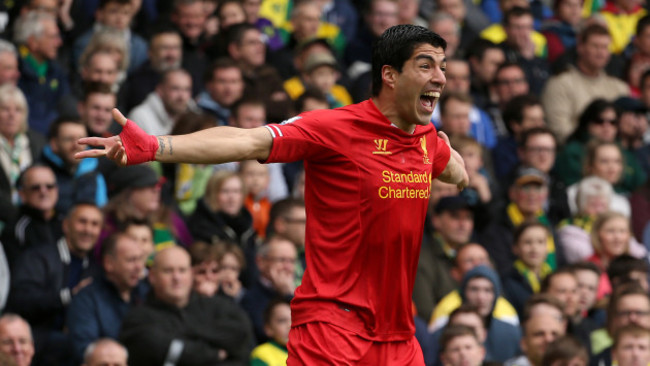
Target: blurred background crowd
(542, 260)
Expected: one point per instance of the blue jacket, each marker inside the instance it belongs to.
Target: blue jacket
(43, 94)
(205, 101)
(97, 311)
(85, 184)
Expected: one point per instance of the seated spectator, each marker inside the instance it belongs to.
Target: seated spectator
(41, 79)
(9, 63)
(561, 31)
(105, 351)
(95, 108)
(631, 346)
(566, 95)
(224, 85)
(46, 277)
(158, 113)
(629, 305)
(530, 268)
(205, 268)
(610, 238)
(566, 350)
(287, 219)
(77, 180)
(256, 178)
(539, 331)
(135, 192)
(165, 53)
(37, 222)
(115, 15)
(276, 260)
(479, 192)
(231, 264)
(597, 122)
(588, 276)
(98, 310)
(626, 268)
(632, 127)
(639, 60)
(16, 341)
(452, 221)
(21, 146)
(142, 232)
(594, 196)
(484, 58)
(177, 326)
(459, 345)
(277, 323)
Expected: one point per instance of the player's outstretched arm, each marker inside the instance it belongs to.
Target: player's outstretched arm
(455, 172)
(212, 146)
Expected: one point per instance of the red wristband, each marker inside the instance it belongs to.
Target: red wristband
(140, 147)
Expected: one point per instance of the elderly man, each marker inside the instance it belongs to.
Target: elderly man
(105, 352)
(16, 340)
(178, 327)
(42, 80)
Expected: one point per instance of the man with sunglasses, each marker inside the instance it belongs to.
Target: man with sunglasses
(37, 221)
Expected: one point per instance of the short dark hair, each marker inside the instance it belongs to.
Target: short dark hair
(396, 45)
(235, 33)
(546, 283)
(104, 3)
(282, 208)
(565, 348)
(243, 101)
(454, 331)
(593, 29)
(134, 221)
(480, 47)
(526, 135)
(453, 95)
(538, 299)
(586, 266)
(514, 109)
(521, 229)
(94, 87)
(515, 12)
(466, 308)
(55, 127)
(642, 24)
(109, 246)
(201, 252)
(219, 64)
(619, 268)
(268, 311)
(309, 93)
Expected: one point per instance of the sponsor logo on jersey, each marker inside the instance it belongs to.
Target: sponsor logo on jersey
(381, 147)
(425, 153)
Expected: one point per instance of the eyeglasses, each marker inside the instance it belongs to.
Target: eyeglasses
(282, 260)
(295, 221)
(510, 81)
(39, 187)
(541, 150)
(600, 121)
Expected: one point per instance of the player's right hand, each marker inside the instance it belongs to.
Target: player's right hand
(112, 147)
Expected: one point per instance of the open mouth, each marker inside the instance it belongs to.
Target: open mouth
(428, 100)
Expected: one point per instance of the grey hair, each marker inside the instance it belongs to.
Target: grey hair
(10, 93)
(440, 16)
(8, 47)
(88, 353)
(30, 25)
(592, 186)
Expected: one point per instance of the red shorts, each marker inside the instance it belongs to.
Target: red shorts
(327, 344)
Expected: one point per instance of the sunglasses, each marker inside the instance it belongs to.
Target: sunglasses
(39, 187)
(600, 121)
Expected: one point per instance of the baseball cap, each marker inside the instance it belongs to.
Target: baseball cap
(526, 175)
(319, 59)
(133, 176)
(629, 104)
(451, 203)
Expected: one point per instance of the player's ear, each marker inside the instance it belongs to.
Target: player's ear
(388, 75)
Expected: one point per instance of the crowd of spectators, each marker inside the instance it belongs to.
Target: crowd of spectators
(542, 260)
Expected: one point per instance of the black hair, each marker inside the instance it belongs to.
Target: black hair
(590, 114)
(396, 45)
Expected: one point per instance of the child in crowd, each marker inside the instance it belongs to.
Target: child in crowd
(142, 232)
(478, 191)
(277, 322)
(320, 71)
(256, 179)
(231, 262)
(530, 267)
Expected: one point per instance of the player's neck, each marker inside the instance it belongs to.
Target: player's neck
(386, 105)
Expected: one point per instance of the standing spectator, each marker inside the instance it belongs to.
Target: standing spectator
(162, 108)
(16, 341)
(509, 82)
(37, 222)
(77, 180)
(46, 277)
(484, 59)
(98, 310)
(448, 28)
(567, 94)
(180, 327)
(41, 78)
(20, 145)
(566, 350)
(115, 15)
(189, 18)
(459, 345)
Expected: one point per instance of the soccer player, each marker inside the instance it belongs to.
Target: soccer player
(369, 168)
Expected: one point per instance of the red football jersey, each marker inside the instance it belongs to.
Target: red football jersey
(366, 194)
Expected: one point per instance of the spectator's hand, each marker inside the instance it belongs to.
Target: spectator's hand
(481, 185)
(64, 14)
(207, 288)
(283, 281)
(83, 283)
(231, 287)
